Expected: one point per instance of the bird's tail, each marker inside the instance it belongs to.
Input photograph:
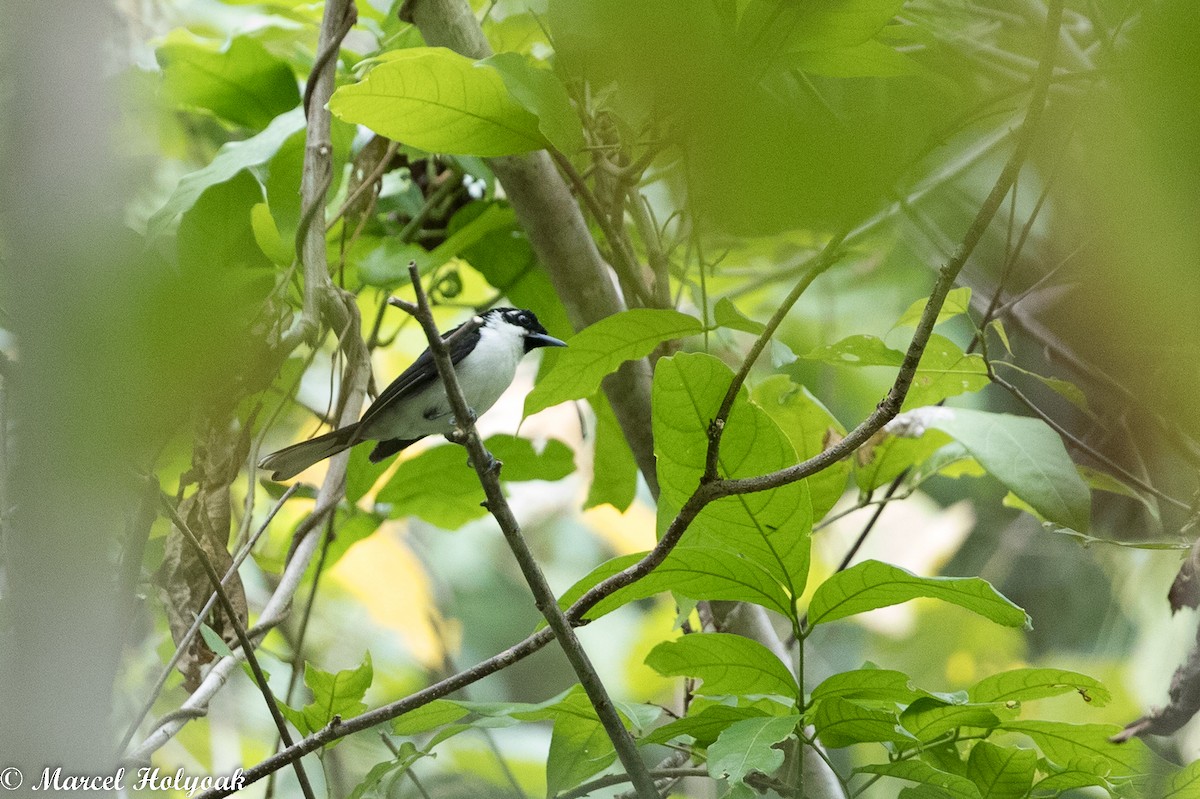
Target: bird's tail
(290, 461)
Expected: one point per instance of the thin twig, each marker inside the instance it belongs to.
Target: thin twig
(260, 679)
(487, 468)
(826, 259)
(610, 780)
(181, 647)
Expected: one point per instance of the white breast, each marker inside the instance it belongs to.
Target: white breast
(484, 374)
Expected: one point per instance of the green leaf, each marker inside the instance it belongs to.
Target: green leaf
(727, 663)
(817, 26)
(695, 572)
(439, 101)
(428, 717)
(704, 726)
(599, 349)
(522, 462)
(1001, 772)
(1185, 783)
(386, 263)
(1063, 743)
(877, 685)
(726, 314)
(614, 471)
(1064, 388)
(231, 159)
(1102, 481)
(361, 474)
(857, 351)
(438, 486)
(333, 694)
(870, 59)
(945, 371)
(1025, 455)
(353, 525)
(1081, 775)
(769, 529)
(215, 236)
(928, 719)
(958, 302)
(377, 784)
(1020, 685)
(748, 746)
(842, 723)
(812, 429)
(579, 748)
(242, 82)
(880, 462)
(873, 584)
(917, 771)
(266, 235)
(542, 94)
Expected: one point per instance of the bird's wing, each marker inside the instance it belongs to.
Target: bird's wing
(420, 374)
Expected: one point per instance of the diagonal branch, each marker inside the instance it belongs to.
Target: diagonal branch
(487, 468)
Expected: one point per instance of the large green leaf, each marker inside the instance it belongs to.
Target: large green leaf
(437, 100)
(749, 745)
(1025, 455)
(812, 429)
(241, 82)
(876, 685)
(1020, 685)
(439, 487)
(728, 664)
(769, 529)
(1064, 743)
(840, 722)
(1001, 772)
(873, 584)
(541, 93)
(917, 771)
(599, 349)
(231, 159)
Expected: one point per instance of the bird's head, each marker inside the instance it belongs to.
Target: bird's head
(523, 323)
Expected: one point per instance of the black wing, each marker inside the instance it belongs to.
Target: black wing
(420, 374)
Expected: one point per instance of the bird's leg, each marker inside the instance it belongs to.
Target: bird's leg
(458, 432)
(458, 435)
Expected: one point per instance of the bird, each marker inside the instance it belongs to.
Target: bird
(415, 404)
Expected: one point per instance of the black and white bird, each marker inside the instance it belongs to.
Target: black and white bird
(415, 404)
